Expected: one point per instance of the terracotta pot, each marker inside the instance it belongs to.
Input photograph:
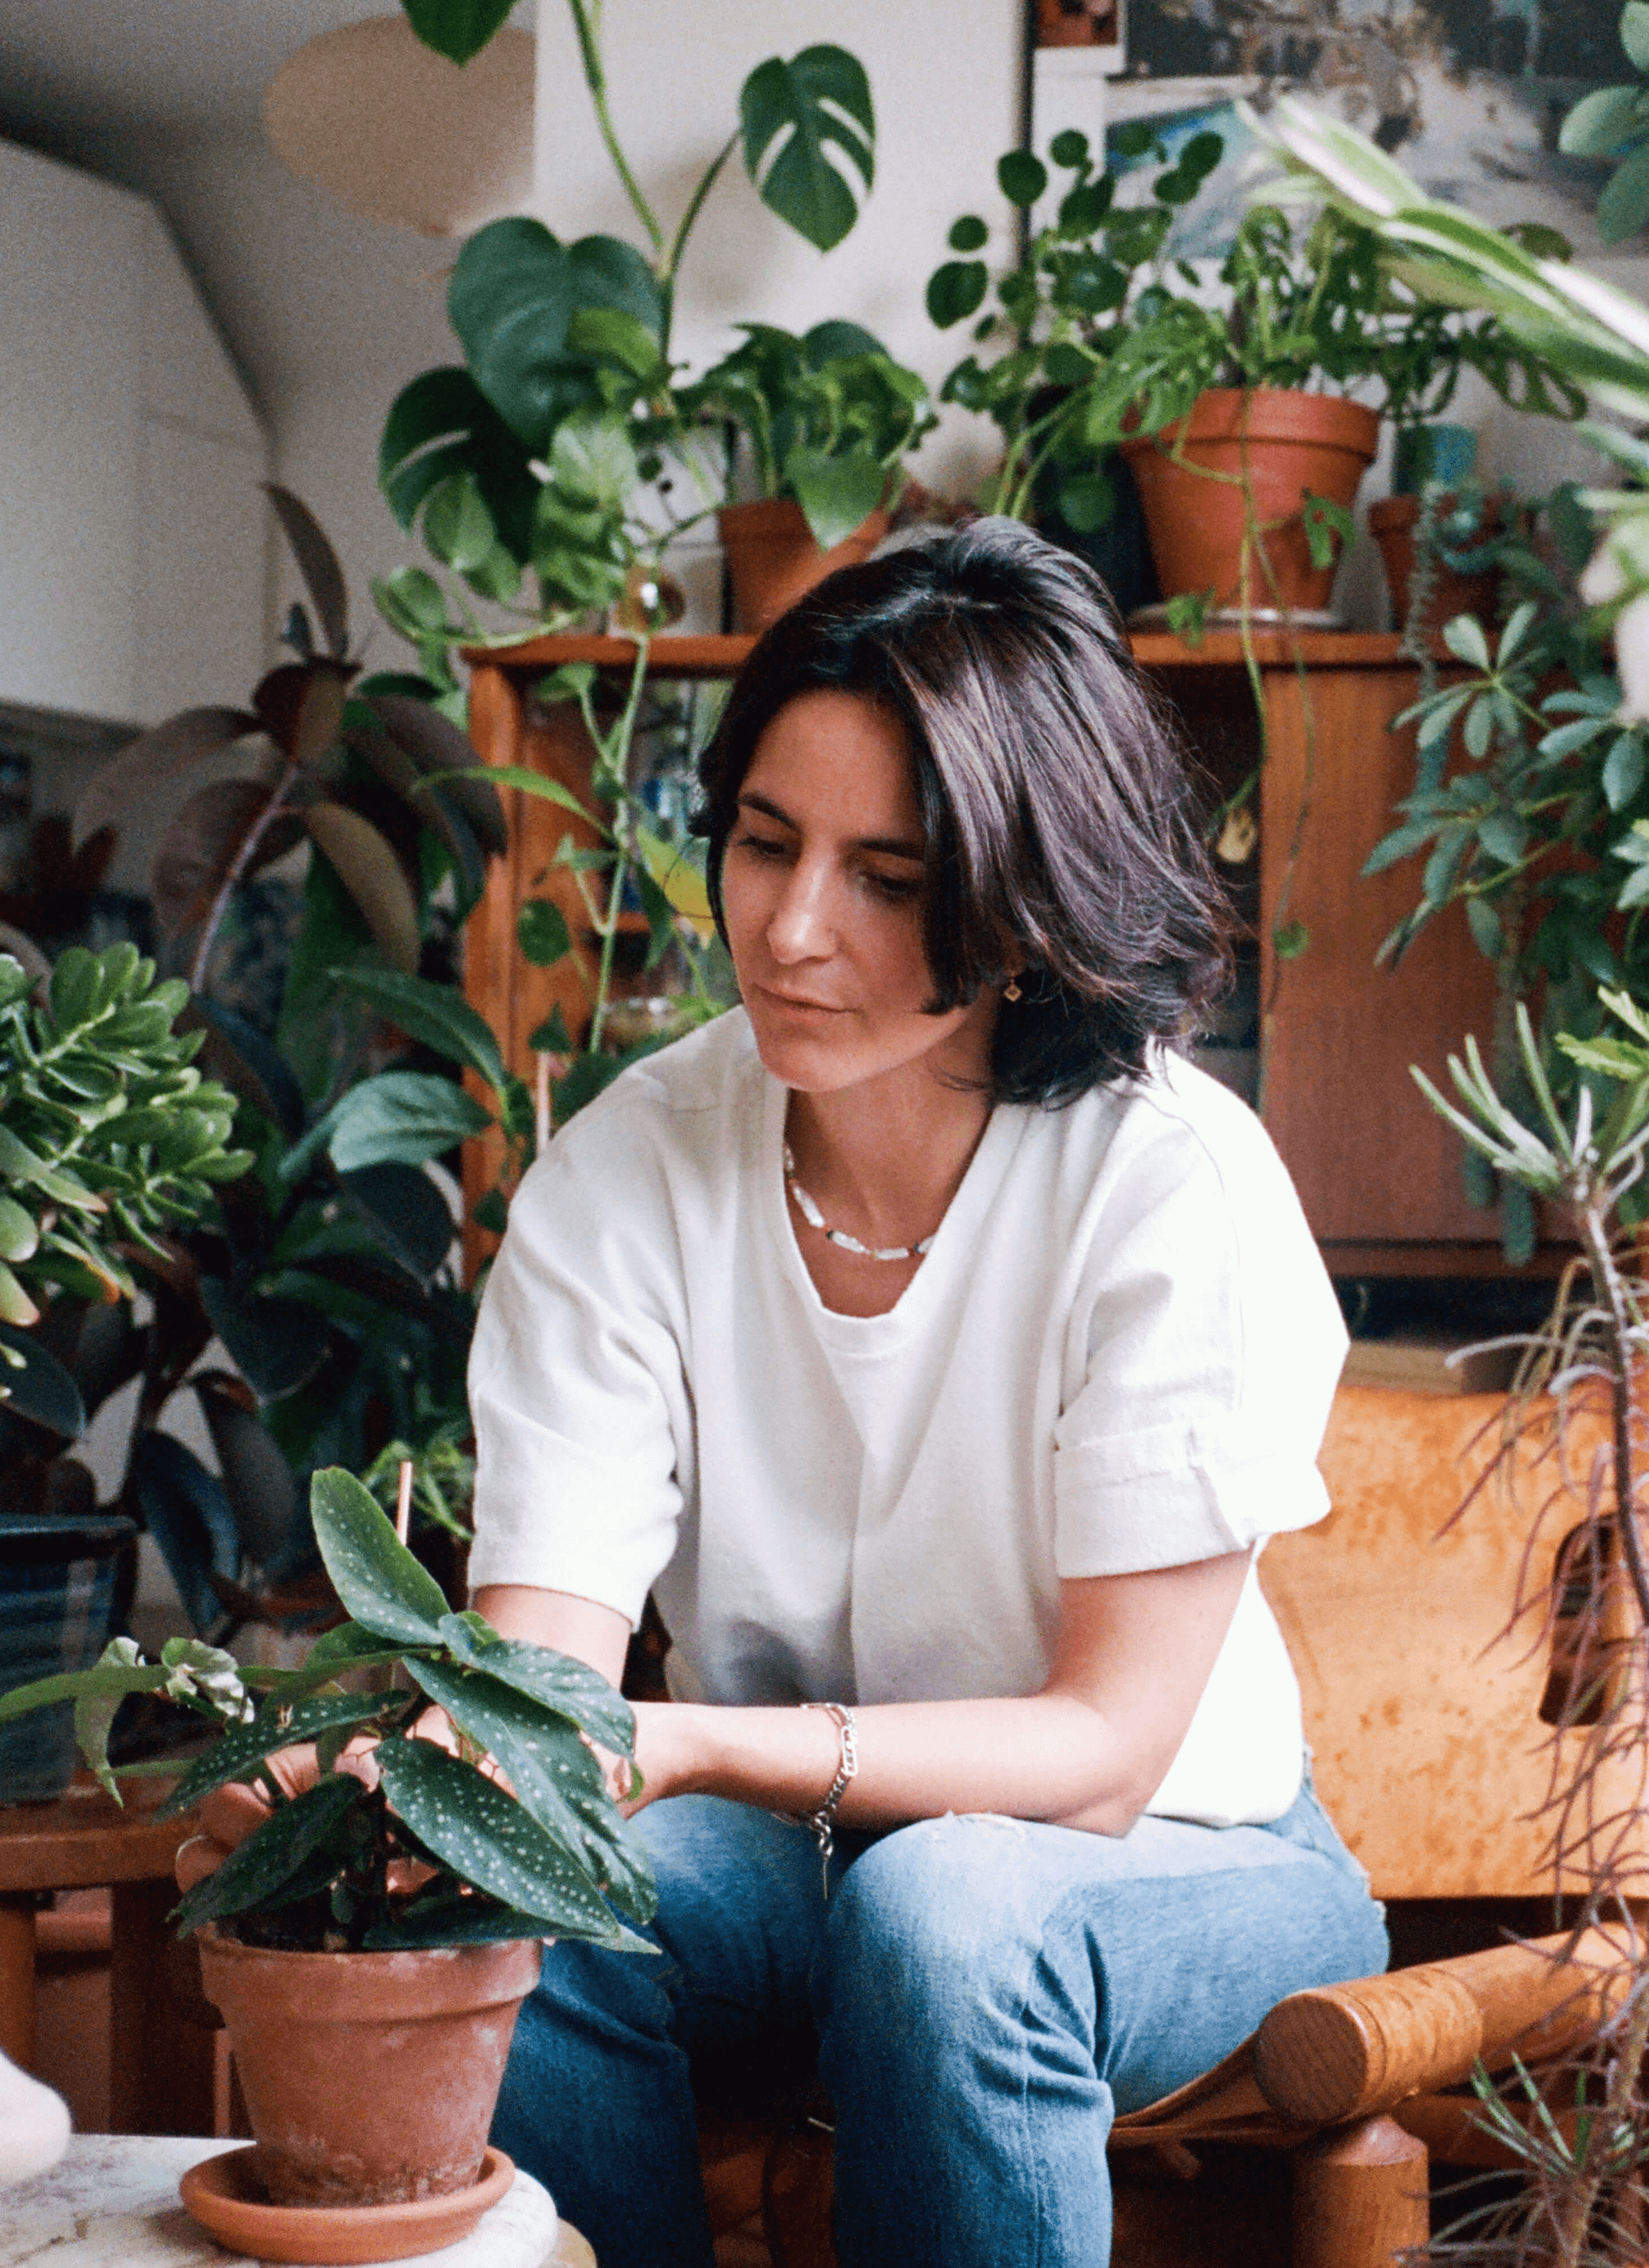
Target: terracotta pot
(369, 2078)
(1291, 445)
(774, 561)
(1392, 523)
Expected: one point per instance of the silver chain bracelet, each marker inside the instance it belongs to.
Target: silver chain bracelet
(822, 1821)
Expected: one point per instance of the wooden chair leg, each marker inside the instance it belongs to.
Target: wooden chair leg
(16, 1977)
(1360, 2196)
(162, 2063)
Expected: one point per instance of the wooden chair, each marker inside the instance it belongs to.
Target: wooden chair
(1430, 1759)
(162, 2073)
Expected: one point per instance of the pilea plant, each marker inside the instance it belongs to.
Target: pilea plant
(1087, 279)
(421, 1846)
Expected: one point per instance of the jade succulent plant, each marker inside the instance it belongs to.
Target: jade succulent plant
(417, 1845)
(108, 1134)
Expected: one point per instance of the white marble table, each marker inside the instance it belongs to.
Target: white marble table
(112, 2202)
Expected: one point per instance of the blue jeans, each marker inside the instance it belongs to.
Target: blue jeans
(982, 1994)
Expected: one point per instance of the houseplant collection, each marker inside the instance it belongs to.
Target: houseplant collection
(390, 1910)
(1573, 1431)
(567, 447)
(1571, 759)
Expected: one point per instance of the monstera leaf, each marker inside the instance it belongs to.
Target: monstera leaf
(792, 115)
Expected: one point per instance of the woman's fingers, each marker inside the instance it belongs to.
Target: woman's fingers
(199, 1856)
(232, 1812)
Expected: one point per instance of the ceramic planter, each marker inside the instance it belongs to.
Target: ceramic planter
(773, 560)
(370, 2078)
(57, 1589)
(1288, 446)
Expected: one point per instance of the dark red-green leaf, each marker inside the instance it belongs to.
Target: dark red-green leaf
(437, 746)
(405, 1212)
(201, 843)
(152, 758)
(301, 704)
(317, 564)
(371, 872)
(276, 1344)
(260, 1485)
(38, 1387)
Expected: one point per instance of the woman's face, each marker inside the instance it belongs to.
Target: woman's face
(822, 891)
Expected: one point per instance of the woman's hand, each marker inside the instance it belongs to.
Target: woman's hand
(232, 1813)
(672, 1754)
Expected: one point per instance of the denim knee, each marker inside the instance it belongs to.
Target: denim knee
(923, 1934)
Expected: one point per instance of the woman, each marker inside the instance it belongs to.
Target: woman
(940, 1349)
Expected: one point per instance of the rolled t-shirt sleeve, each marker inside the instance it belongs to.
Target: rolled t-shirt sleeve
(1204, 1353)
(576, 1394)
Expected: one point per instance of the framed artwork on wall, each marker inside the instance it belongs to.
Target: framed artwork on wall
(1467, 94)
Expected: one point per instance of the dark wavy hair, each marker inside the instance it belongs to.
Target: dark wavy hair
(1057, 807)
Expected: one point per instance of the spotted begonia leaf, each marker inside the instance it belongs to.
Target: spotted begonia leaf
(488, 1840)
(556, 1777)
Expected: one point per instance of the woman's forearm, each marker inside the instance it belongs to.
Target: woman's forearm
(1048, 1756)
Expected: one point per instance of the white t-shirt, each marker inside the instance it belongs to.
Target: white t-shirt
(1119, 1354)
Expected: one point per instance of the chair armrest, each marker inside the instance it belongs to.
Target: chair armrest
(1345, 2051)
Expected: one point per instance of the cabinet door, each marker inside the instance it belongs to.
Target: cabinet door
(70, 286)
(1373, 1163)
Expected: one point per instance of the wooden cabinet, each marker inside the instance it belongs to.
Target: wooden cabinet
(1379, 1173)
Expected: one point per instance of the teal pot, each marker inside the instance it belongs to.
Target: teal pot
(1422, 454)
(57, 1593)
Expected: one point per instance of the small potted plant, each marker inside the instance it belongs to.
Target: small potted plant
(826, 420)
(1437, 518)
(370, 1943)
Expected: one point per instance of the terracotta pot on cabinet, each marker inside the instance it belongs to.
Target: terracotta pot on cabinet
(370, 2079)
(1392, 525)
(773, 559)
(1290, 446)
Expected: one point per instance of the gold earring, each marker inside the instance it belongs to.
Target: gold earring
(1011, 990)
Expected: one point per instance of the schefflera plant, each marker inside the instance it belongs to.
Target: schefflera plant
(538, 1849)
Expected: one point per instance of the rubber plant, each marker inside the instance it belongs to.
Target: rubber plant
(556, 450)
(1575, 1428)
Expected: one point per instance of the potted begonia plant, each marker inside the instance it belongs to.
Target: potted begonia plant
(370, 1943)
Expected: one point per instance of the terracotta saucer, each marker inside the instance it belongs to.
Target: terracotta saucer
(224, 2195)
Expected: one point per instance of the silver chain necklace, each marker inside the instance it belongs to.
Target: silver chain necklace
(815, 1219)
